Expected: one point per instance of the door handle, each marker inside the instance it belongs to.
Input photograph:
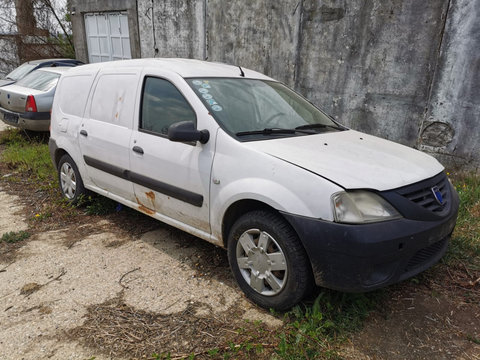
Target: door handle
(84, 133)
(138, 149)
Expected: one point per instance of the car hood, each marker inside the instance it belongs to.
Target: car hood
(353, 160)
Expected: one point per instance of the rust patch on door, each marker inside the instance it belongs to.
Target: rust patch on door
(151, 195)
(146, 210)
(143, 208)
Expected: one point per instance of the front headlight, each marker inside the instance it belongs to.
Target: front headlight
(358, 207)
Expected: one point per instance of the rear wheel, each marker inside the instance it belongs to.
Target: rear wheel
(69, 178)
(268, 260)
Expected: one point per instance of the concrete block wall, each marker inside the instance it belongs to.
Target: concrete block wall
(403, 70)
(451, 126)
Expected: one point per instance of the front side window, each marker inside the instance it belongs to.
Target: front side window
(162, 106)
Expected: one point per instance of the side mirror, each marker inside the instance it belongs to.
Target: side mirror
(185, 131)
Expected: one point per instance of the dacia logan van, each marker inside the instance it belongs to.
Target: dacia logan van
(240, 160)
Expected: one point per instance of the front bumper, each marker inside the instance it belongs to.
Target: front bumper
(34, 121)
(359, 258)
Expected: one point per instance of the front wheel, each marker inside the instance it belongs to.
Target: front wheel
(69, 178)
(268, 260)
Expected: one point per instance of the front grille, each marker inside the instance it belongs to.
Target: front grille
(423, 256)
(422, 194)
(426, 199)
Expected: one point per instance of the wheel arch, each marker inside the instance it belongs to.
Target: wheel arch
(237, 209)
(241, 207)
(57, 155)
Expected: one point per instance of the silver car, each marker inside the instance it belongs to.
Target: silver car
(26, 68)
(27, 103)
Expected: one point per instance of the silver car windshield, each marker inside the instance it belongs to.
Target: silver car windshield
(39, 80)
(246, 106)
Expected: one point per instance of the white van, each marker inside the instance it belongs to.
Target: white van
(238, 159)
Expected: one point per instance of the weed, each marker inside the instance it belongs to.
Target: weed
(30, 158)
(213, 352)
(473, 339)
(12, 137)
(312, 331)
(98, 205)
(465, 243)
(13, 237)
(156, 356)
(42, 216)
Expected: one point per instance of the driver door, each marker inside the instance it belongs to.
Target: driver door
(170, 179)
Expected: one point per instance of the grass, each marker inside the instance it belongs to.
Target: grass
(98, 205)
(465, 243)
(315, 331)
(14, 236)
(28, 156)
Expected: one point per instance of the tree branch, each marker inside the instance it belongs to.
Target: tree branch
(49, 5)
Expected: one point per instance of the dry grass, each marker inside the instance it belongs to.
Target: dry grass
(120, 330)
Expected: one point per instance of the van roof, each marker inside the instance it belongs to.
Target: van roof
(186, 68)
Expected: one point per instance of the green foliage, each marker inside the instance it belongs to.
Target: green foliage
(42, 216)
(28, 155)
(12, 137)
(213, 352)
(97, 205)
(465, 243)
(64, 45)
(312, 331)
(162, 356)
(473, 339)
(13, 237)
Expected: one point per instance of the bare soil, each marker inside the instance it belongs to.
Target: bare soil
(436, 319)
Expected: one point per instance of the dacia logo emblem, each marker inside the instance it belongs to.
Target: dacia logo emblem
(437, 195)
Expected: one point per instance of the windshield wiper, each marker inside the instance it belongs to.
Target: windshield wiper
(318, 126)
(273, 131)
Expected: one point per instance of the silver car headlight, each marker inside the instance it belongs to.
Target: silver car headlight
(359, 207)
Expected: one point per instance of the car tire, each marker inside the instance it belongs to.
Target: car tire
(69, 179)
(268, 261)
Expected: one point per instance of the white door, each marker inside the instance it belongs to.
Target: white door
(107, 36)
(106, 131)
(171, 179)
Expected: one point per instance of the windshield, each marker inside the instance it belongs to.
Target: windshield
(39, 80)
(20, 71)
(246, 106)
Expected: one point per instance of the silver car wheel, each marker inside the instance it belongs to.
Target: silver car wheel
(68, 181)
(262, 262)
